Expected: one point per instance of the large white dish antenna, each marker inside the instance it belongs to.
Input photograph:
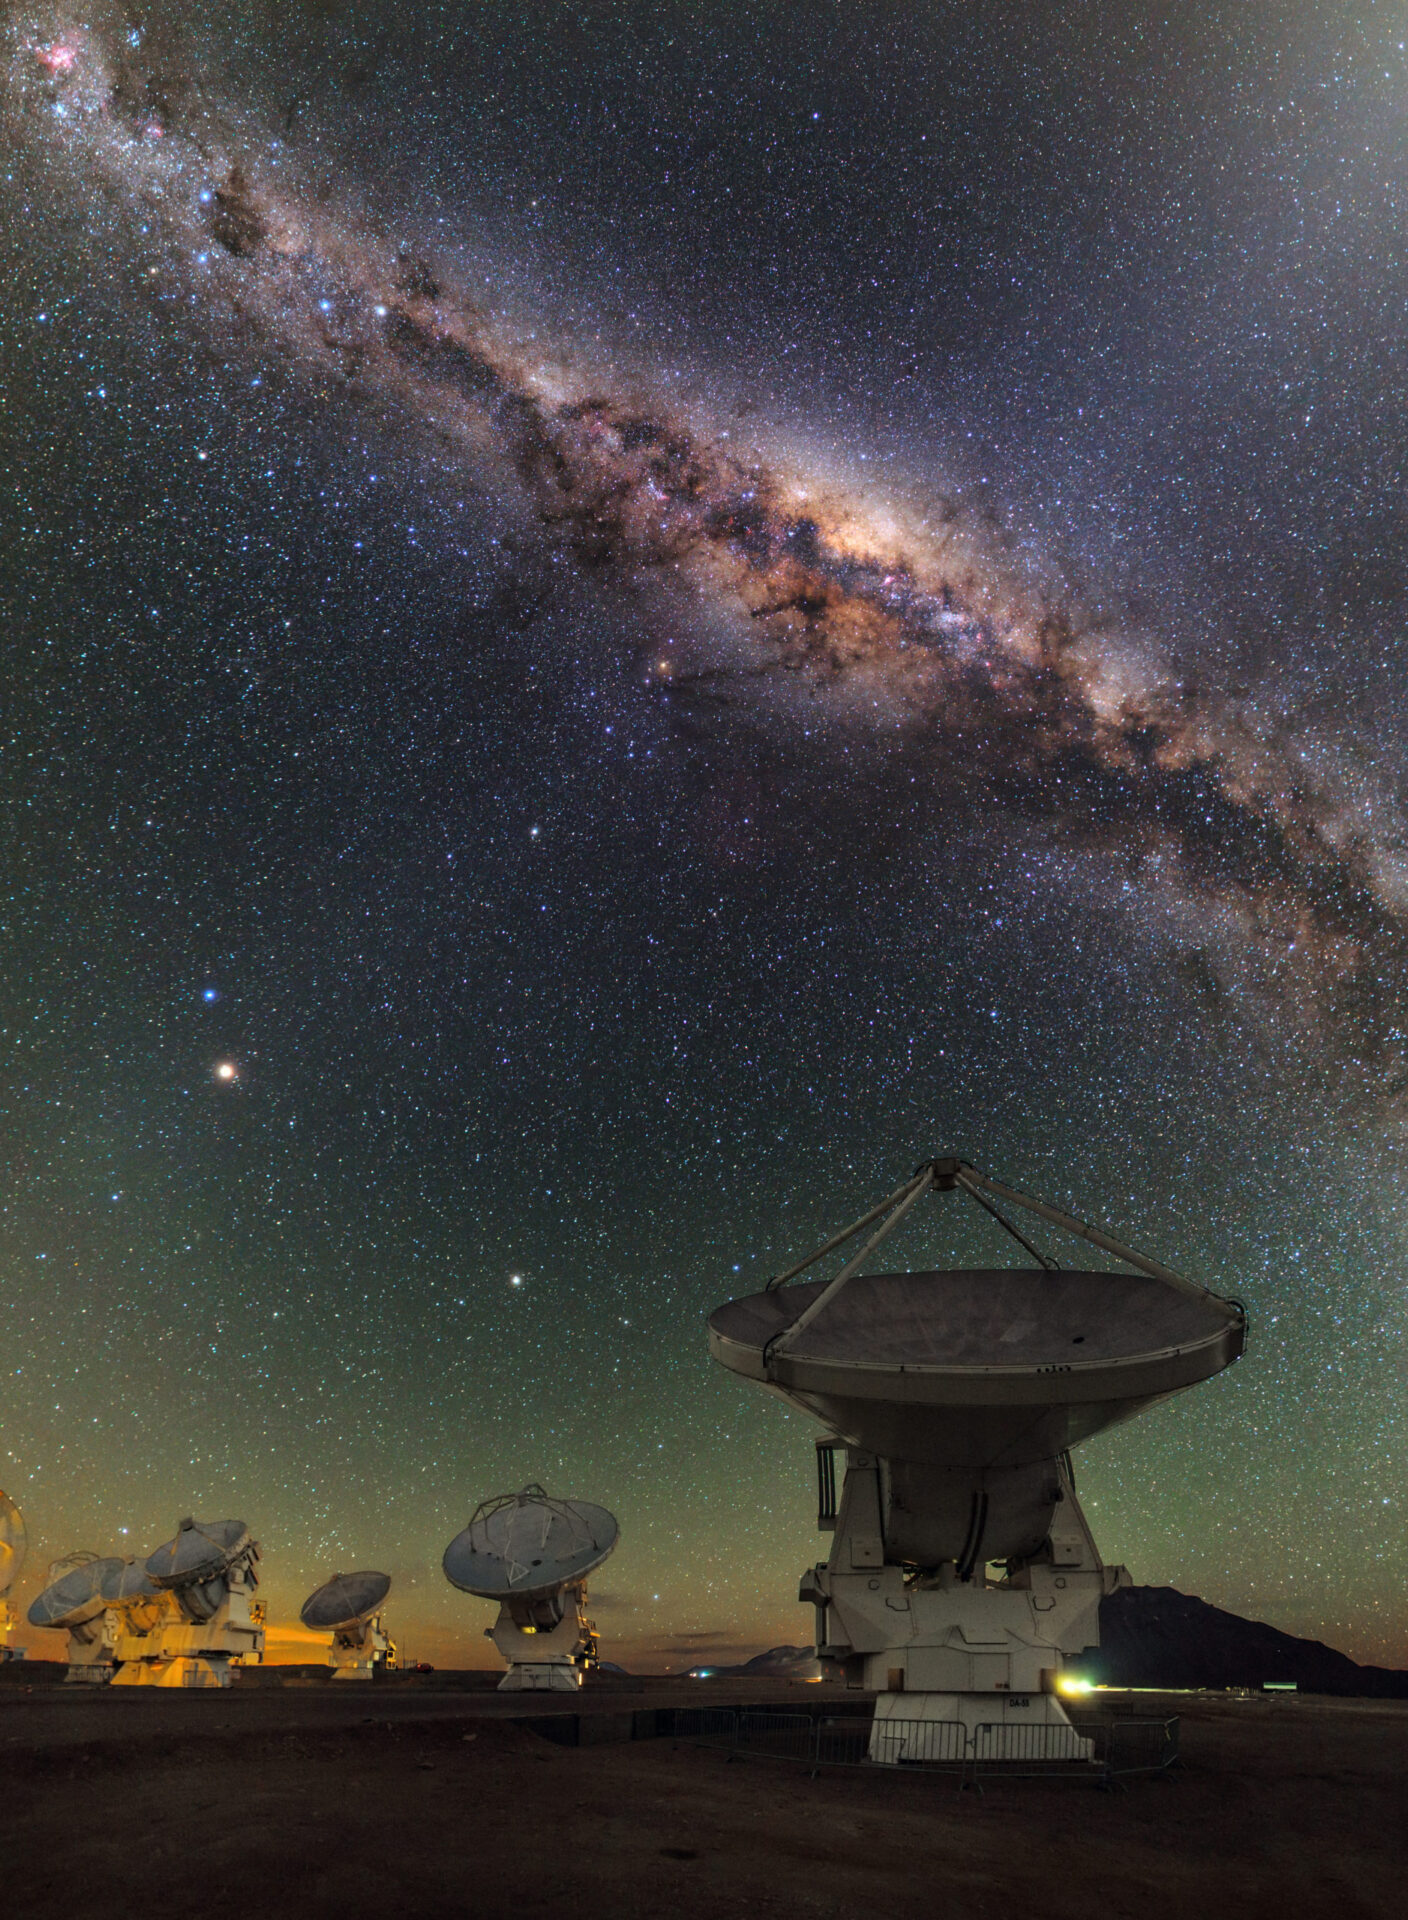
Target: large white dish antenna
(345, 1601)
(13, 1542)
(968, 1383)
(956, 1397)
(526, 1546)
(75, 1597)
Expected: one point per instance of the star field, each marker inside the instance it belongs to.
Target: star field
(623, 621)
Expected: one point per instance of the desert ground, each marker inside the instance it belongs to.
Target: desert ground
(436, 1799)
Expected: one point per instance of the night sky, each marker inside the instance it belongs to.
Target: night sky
(620, 621)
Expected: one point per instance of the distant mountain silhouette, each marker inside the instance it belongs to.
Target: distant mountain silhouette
(778, 1663)
(1158, 1637)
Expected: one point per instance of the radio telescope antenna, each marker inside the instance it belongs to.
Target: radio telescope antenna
(13, 1545)
(349, 1607)
(197, 1619)
(533, 1554)
(74, 1603)
(956, 1397)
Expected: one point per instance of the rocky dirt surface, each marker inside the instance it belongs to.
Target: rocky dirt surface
(410, 1805)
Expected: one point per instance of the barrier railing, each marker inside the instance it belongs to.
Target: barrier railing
(1010, 1745)
(918, 1743)
(1138, 1746)
(1100, 1750)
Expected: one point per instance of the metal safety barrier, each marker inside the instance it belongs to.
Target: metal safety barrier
(1010, 1744)
(1102, 1751)
(825, 1740)
(1138, 1746)
(783, 1736)
(842, 1741)
(1107, 1749)
(918, 1743)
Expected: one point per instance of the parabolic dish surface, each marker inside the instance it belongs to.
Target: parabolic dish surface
(74, 1598)
(979, 1366)
(344, 1600)
(201, 1551)
(528, 1548)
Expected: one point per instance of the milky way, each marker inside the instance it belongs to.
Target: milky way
(918, 626)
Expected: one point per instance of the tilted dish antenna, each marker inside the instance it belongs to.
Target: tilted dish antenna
(197, 1565)
(208, 1571)
(74, 1603)
(349, 1608)
(13, 1545)
(533, 1554)
(75, 1598)
(956, 1397)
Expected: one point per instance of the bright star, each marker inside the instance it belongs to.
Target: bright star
(227, 1071)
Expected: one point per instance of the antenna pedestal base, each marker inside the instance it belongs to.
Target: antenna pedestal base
(90, 1652)
(979, 1727)
(89, 1673)
(182, 1672)
(965, 1669)
(542, 1657)
(894, 1636)
(542, 1676)
(179, 1652)
(9, 1620)
(357, 1653)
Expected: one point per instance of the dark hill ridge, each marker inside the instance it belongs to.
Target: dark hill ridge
(1158, 1637)
(778, 1663)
